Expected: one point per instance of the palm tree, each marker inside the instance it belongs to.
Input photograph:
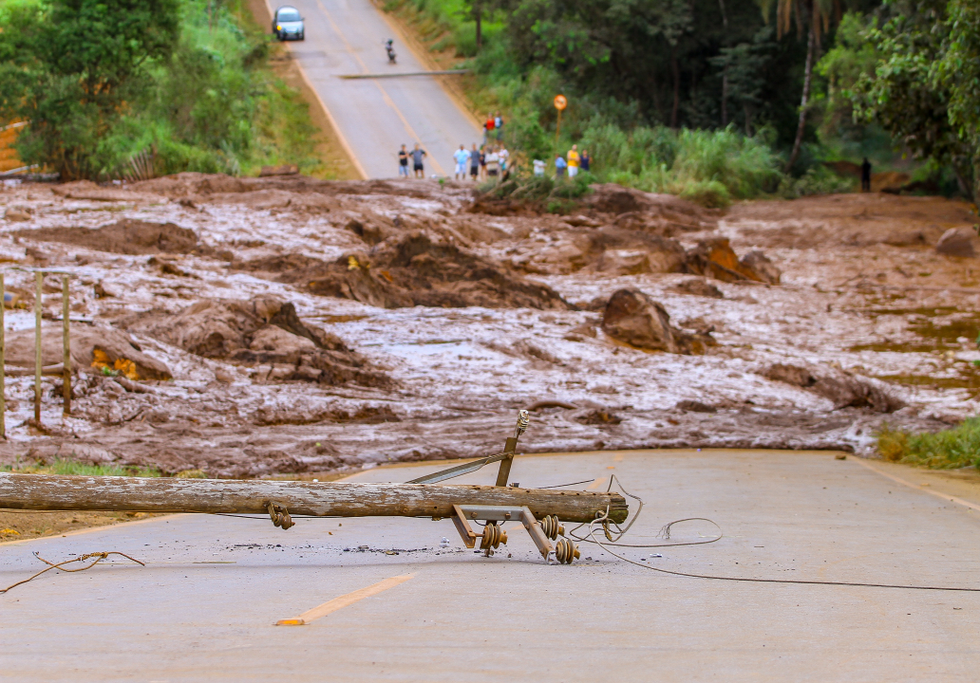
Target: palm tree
(814, 16)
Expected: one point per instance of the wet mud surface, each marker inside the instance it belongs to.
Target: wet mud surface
(308, 326)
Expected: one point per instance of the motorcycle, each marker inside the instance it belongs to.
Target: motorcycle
(390, 49)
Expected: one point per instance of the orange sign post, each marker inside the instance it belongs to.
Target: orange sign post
(560, 104)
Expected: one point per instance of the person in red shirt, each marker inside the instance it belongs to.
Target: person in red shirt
(488, 127)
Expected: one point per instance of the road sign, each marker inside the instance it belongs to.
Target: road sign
(560, 102)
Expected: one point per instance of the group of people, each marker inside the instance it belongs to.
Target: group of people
(571, 162)
(491, 162)
(488, 162)
(493, 127)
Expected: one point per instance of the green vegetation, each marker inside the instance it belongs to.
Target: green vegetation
(186, 80)
(659, 92)
(70, 467)
(948, 449)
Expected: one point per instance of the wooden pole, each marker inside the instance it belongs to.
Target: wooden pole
(66, 344)
(3, 353)
(329, 499)
(39, 278)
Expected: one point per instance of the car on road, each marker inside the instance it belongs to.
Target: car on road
(287, 24)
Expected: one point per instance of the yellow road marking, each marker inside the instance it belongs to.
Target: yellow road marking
(618, 458)
(343, 601)
(384, 94)
(596, 484)
(938, 494)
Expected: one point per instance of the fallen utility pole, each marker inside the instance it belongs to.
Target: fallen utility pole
(321, 499)
(540, 511)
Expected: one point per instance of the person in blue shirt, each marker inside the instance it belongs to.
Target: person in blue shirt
(462, 158)
(560, 166)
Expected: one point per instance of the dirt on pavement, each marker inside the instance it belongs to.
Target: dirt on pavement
(312, 326)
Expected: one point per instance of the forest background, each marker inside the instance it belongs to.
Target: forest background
(712, 99)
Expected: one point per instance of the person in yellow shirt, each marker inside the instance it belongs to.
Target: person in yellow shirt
(573, 161)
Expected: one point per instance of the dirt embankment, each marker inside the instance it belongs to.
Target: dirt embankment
(304, 326)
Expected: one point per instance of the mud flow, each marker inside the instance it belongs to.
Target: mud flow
(265, 326)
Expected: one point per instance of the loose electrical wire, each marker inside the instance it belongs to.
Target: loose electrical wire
(611, 542)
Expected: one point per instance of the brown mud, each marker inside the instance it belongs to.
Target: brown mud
(313, 326)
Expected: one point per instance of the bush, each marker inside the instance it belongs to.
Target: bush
(947, 449)
(818, 180)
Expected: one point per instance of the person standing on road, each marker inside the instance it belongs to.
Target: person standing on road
(573, 161)
(403, 162)
(417, 155)
(866, 176)
(493, 164)
(498, 125)
(585, 160)
(560, 166)
(462, 158)
(474, 162)
(483, 162)
(488, 127)
(504, 156)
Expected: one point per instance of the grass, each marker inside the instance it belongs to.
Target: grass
(943, 450)
(70, 467)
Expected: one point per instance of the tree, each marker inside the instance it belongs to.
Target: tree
(959, 72)
(916, 79)
(815, 17)
(73, 73)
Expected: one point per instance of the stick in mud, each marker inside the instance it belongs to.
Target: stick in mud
(3, 360)
(39, 277)
(66, 344)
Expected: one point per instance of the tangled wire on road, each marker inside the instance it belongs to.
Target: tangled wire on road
(61, 565)
(613, 537)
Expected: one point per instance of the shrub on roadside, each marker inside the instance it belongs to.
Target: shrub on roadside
(946, 449)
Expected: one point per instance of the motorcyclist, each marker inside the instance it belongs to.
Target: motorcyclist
(390, 49)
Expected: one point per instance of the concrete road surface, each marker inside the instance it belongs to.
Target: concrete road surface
(376, 116)
(204, 607)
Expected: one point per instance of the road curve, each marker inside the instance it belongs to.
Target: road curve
(374, 117)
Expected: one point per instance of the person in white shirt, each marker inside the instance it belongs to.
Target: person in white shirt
(539, 168)
(462, 158)
(493, 163)
(504, 156)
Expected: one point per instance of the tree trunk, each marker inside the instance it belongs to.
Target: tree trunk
(478, 16)
(675, 70)
(333, 499)
(807, 78)
(724, 73)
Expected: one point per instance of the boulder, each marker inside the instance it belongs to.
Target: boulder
(715, 258)
(263, 331)
(957, 242)
(91, 347)
(634, 318)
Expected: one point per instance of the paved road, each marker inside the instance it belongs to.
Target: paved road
(203, 608)
(376, 116)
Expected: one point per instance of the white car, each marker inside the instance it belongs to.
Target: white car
(287, 24)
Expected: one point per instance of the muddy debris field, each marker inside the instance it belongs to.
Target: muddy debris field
(258, 327)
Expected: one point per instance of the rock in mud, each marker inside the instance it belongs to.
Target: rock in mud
(715, 258)
(128, 236)
(264, 331)
(92, 349)
(412, 270)
(634, 318)
(697, 286)
(790, 374)
(957, 242)
(850, 391)
(843, 389)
